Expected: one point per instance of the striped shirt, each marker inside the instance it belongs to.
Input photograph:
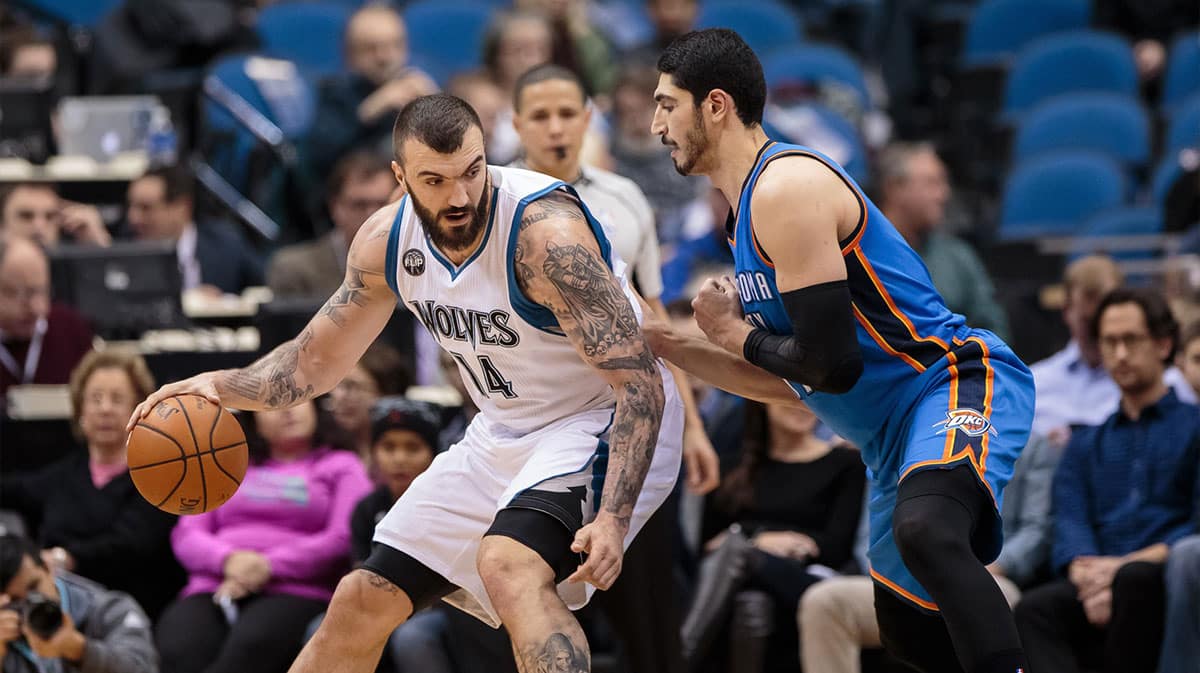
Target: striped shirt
(1128, 484)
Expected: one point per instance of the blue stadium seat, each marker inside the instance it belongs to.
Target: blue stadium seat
(74, 12)
(999, 28)
(1076, 61)
(822, 129)
(268, 89)
(446, 38)
(816, 64)
(1124, 221)
(1182, 78)
(1163, 179)
(1055, 193)
(307, 33)
(1184, 128)
(765, 25)
(1108, 123)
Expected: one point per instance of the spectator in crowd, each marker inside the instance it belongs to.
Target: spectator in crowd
(359, 185)
(404, 436)
(1181, 640)
(515, 42)
(40, 341)
(793, 503)
(265, 563)
(640, 155)
(837, 617)
(89, 517)
(914, 192)
(1151, 24)
(100, 631)
(355, 110)
(1073, 387)
(213, 255)
(578, 46)
(380, 372)
(696, 255)
(34, 210)
(27, 54)
(482, 94)
(1124, 492)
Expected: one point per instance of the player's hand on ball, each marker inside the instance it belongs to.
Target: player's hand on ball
(718, 308)
(201, 384)
(603, 540)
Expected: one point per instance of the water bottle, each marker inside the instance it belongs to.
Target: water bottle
(161, 141)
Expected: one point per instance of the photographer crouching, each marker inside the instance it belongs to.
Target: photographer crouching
(62, 623)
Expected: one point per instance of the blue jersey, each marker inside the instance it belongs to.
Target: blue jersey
(903, 326)
(934, 393)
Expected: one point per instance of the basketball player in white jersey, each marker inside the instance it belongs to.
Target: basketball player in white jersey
(578, 437)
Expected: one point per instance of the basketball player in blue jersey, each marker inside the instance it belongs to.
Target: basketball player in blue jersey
(829, 298)
(577, 439)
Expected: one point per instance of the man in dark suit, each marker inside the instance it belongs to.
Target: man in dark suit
(361, 183)
(213, 254)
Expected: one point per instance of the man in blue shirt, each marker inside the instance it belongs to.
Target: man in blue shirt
(1124, 492)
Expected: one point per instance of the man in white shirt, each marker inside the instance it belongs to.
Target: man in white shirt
(1072, 386)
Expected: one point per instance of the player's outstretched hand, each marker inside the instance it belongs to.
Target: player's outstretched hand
(200, 384)
(603, 540)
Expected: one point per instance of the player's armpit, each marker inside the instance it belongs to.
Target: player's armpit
(332, 342)
(559, 265)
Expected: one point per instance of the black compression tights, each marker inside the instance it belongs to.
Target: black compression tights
(936, 517)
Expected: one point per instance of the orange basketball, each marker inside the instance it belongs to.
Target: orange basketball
(187, 455)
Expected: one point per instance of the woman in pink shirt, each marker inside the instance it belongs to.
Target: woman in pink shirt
(265, 563)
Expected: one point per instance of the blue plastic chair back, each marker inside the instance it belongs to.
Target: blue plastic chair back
(1108, 123)
(1054, 194)
(816, 64)
(446, 38)
(1078, 61)
(308, 34)
(765, 26)
(1182, 77)
(998, 29)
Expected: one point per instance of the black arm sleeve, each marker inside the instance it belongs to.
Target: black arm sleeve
(822, 351)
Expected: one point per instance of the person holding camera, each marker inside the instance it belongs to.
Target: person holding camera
(62, 623)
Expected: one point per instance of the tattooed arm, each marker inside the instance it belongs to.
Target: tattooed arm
(328, 347)
(559, 266)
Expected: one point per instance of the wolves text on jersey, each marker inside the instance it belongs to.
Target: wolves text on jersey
(459, 324)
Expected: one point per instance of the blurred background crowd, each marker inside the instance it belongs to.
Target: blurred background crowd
(180, 181)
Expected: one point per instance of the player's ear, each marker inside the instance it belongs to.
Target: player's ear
(718, 104)
(399, 173)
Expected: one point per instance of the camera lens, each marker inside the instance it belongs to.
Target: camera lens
(43, 615)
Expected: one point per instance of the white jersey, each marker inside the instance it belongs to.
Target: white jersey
(517, 364)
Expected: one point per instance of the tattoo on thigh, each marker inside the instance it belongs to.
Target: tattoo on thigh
(557, 654)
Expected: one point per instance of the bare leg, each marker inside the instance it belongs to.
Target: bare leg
(545, 635)
(365, 609)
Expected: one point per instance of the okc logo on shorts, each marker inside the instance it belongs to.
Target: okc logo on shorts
(413, 262)
(969, 421)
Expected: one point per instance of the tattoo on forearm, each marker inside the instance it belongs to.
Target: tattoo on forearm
(380, 582)
(272, 378)
(633, 437)
(556, 654)
(352, 292)
(643, 361)
(602, 312)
